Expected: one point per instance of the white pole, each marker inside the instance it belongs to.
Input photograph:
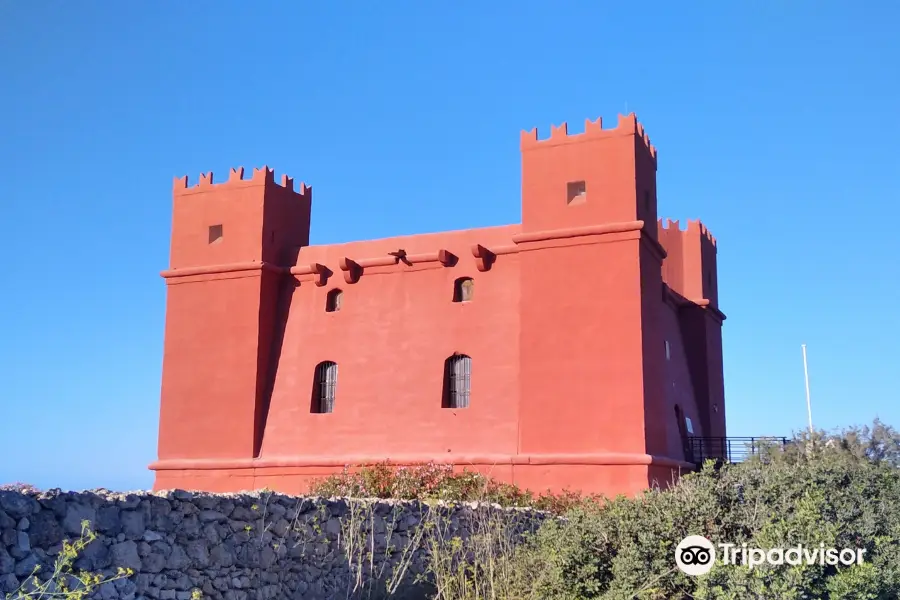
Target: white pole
(806, 377)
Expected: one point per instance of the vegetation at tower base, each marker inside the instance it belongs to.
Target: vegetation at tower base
(841, 490)
(439, 482)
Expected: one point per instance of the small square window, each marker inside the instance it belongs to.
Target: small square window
(215, 234)
(463, 289)
(333, 301)
(576, 192)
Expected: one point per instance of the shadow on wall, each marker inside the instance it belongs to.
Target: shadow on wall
(279, 320)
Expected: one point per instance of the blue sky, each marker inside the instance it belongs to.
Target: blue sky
(776, 123)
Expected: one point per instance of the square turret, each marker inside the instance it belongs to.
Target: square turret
(591, 178)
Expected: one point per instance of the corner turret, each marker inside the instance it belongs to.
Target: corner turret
(690, 267)
(239, 220)
(591, 178)
(228, 278)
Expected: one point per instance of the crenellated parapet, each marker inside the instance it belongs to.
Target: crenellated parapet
(260, 176)
(694, 227)
(697, 226)
(690, 268)
(255, 217)
(627, 125)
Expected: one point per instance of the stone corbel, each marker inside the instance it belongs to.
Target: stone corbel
(320, 272)
(352, 270)
(484, 258)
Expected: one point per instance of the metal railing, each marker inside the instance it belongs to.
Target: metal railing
(732, 449)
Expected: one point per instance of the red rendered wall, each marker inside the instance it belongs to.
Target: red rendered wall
(390, 339)
(571, 386)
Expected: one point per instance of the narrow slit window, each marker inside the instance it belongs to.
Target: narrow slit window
(457, 381)
(576, 192)
(324, 387)
(463, 289)
(215, 234)
(334, 300)
(668, 351)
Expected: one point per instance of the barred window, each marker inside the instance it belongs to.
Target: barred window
(463, 289)
(333, 301)
(457, 381)
(324, 387)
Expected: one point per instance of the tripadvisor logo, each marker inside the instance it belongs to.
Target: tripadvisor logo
(696, 555)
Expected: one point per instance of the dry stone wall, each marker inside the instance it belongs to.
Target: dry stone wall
(245, 546)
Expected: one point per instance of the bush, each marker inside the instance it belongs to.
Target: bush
(64, 581)
(437, 482)
(841, 490)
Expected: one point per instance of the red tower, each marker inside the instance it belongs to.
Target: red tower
(577, 350)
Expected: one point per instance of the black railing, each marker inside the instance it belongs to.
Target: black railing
(731, 449)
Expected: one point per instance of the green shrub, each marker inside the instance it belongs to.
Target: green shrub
(839, 490)
(64, 582)
(431, 481)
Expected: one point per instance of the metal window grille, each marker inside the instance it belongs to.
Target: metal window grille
(326, 385)
(460, 376)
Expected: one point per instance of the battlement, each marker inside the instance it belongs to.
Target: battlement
(260, 176)
(693, 226)
(690, 267)
(627, 125)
